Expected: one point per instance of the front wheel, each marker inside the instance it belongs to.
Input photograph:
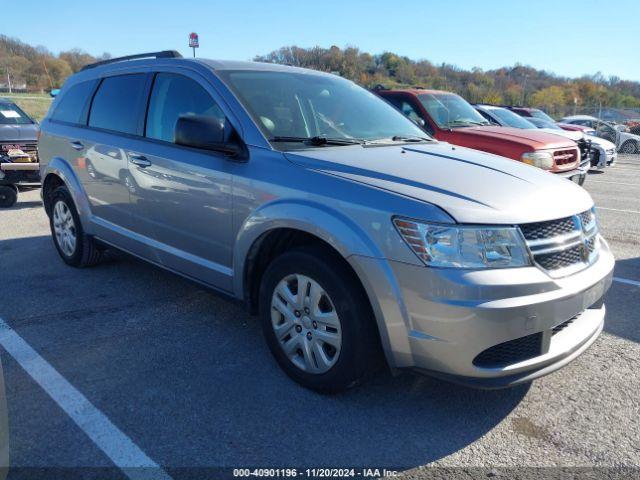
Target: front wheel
(317, 320)
(8, 196)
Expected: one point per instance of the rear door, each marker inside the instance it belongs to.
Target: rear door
(115, 119)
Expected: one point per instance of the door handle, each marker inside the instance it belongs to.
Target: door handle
(139, 160)
(76, 145)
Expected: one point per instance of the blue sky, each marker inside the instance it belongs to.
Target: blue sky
(568, 37)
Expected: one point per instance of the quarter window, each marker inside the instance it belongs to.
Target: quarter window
(72, 104)
(173, 96)
(116, 103)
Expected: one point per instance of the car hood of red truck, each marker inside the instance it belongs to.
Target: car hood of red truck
(531, 139)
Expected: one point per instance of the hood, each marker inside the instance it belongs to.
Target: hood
(572, 135)
(606, 144)
(19, 133)
(471, 186)
(535, 139)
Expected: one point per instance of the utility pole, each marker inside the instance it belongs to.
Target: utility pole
(524, 88)
(8, 77)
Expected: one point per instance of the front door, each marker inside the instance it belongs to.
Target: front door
(181, 197)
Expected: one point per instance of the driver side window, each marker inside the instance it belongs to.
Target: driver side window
(173, 96)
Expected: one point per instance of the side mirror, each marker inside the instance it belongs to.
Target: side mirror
(205, 132)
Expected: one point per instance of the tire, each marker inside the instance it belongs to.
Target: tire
(582, 179)
(358, 351)
(82, 251)
(8, 196)
(629, 147)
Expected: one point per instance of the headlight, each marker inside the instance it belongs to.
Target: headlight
(542, 160)
(464, 246)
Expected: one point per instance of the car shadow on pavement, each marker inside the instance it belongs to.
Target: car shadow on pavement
(186, 374)
(623, 302)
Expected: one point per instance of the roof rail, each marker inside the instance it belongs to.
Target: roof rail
(162, 54)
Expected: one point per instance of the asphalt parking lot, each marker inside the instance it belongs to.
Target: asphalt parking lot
(185, 376)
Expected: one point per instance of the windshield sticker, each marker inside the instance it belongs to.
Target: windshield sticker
(10, 114)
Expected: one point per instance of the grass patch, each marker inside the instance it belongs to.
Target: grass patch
(35, 104)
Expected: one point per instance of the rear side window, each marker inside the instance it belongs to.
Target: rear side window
(116, 103)
(173, 96)
(72, 104)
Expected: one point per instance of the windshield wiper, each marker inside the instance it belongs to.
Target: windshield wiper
(465, 122)
(411, 138)
(318, 140)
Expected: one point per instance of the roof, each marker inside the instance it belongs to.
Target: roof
(579, 117)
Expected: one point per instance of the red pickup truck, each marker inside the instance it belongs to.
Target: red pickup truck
(450, 118)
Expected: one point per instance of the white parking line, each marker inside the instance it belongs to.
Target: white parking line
(615, 183)
(125, 454)
(618, 210)
(627, 281)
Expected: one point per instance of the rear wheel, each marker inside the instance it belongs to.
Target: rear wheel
(317, 320)
(8, 196)
(629, 147)
(74, 246)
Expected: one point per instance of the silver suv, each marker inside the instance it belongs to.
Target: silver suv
(348, 230)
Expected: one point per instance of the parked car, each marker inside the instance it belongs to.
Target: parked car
(340, 222)
(506, 118)
(625, 142)
(596, 152)
(18, 153)
(604, 151)
(450, 118)
(528, 112)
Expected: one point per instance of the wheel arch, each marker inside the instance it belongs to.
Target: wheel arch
(59, 172)
(268, 233)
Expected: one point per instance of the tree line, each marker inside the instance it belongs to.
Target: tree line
(36, 67)
(516, 85)
(41, 70)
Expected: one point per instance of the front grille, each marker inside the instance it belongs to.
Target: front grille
(565, 157)
(563, 259)
(563, 246)
(30, 149)
(541, 230)
(510, 352)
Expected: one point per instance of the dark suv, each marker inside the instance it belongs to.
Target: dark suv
(18, 152)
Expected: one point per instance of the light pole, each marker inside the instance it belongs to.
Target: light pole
(524, 88)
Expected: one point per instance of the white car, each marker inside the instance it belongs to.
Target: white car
(625, 142)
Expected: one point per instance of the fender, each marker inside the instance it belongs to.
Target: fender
(60, 167)
(350, 240)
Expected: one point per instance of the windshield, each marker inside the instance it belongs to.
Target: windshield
(540, 123)
(291, 106)
(541, 115)
(10, 114)
(449, 110)
(511, 119)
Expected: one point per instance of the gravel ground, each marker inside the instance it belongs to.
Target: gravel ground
(186, 375)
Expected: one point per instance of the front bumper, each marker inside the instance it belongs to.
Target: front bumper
(451, 316)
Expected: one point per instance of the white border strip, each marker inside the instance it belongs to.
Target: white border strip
(626, 281)
(617, 210)
(125, 454)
